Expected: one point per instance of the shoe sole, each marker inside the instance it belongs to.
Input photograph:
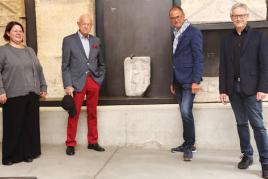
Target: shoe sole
(96, 150)
(187, 159)
(174, 151)
(70, 154)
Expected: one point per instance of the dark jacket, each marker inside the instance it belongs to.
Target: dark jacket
(253, 64)
(188, 58)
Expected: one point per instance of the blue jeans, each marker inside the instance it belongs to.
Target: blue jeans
(185, 99)
(247, 108)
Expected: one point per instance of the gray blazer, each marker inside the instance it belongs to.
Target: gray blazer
(76, 65)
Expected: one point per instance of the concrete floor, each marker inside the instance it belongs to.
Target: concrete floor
(131, 163)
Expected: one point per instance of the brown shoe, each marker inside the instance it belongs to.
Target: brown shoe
(96, 147)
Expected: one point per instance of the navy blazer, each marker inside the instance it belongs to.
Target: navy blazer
(253, 64)
(188, 60)
(75, 63)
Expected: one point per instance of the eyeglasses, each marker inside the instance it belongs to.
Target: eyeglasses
(240, 16)
(175, 18)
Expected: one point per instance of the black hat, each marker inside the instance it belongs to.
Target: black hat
(67, 103)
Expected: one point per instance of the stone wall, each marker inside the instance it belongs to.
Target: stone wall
(55, 20)
(10, 10)
(206, 11)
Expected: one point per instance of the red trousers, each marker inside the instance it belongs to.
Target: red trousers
(91, 90)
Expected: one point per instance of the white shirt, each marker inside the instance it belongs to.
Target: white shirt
(85, 43)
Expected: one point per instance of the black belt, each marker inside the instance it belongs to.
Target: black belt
(237, 79)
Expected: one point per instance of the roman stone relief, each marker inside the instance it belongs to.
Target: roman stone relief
(137, 75)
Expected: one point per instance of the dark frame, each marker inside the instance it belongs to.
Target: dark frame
(31, 34)
(123, 100)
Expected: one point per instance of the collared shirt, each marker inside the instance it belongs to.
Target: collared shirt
(85, 43)
(238, 42)
(178, 33)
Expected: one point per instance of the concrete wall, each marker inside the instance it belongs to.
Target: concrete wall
(150, 126)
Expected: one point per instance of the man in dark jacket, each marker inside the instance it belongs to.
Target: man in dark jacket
(243, 77)
(187, 74)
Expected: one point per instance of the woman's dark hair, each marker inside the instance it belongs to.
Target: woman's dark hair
(9, 27)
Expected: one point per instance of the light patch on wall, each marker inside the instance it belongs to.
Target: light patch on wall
(55, 20)
(209, 11)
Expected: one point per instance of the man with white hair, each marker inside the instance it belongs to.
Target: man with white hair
(83, 72)
(243, 77)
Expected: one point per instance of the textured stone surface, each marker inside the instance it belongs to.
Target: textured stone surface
(209, 90)
(55, 20)
(198, 11)
(137, 72)
(10, 10)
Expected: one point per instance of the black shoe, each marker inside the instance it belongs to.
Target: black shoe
(265, 171)
(7, 163)
(70, 150)
(245, 162)
(181, 148)
(28, 160)
(96, 147)
(187, 154)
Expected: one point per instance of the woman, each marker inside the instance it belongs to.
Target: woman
(22, 82)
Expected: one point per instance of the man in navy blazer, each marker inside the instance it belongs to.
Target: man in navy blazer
(187, 74)
(243, 77)
(83, 72)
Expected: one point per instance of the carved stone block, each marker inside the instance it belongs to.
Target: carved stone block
(137, 72)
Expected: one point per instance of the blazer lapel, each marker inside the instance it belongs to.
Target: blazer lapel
(80, 45)
(180, 40)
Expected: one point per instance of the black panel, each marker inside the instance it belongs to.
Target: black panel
(31, 35)
(213, 33)
(135, 27)
(212, 40)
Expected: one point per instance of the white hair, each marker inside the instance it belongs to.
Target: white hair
(237, 5)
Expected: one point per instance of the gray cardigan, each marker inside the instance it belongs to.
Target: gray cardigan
(12, 72)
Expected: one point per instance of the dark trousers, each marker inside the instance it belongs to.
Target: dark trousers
(185, 99)
(248, 109)
(91, 90)
(21, 130)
